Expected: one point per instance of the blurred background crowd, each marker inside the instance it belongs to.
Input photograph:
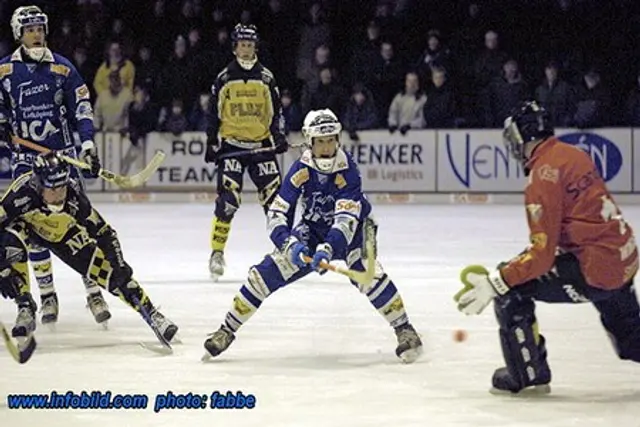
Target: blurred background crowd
(394, 64)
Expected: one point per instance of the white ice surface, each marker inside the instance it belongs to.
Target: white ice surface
(317, 354)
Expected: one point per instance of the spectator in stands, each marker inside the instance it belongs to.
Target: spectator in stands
(309, 71)
(489, 64)
(314, 32)
(504, 94)
(326, 93)
(633, 105)
(435, 54)
(143, 115)
(147, 69)
(406, 110)
(556, 96)
(174, 120)
(121, 34)
(112, 106)
(65, 40)
(291, 112)
(365, 52)
(86, 69)
(198, 118)
(388, 75)
(440, 108)
(115, 62)
(361, 112)
(593, 102)
(175, 80)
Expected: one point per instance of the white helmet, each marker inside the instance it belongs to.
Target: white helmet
(320, 123)
(26, 16)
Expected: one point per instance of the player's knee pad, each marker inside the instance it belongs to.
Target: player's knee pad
(277, 270)
(522, 345)
(268, 192)
(106, 275)
(14, 260)
(227, 204)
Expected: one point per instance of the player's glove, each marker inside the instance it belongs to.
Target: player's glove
(480, 288)
(295, 250)
(281, 144)
(89, 155)
(9, 283)
(213, 148)
(324, 253)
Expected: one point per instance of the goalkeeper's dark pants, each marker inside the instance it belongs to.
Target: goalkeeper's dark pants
(565, 283)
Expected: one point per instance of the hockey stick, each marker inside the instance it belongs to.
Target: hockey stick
(21, 353)
(165, 348)
(122, 181)
(242, 153)
(362, 277)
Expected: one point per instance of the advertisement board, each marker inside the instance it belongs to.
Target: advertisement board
(477, 160)
(184, 167)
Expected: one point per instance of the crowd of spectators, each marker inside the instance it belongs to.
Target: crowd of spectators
(395, 64)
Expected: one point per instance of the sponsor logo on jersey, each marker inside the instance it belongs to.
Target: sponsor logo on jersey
(539, 240)
(349, 206)
(82, 92)
(60, 69)
(535, 211)
(300, 177)
(340, 181)
(5, 70)
(548, 173)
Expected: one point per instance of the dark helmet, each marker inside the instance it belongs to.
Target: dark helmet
(52, 170)
(528, 122)
(244, 32)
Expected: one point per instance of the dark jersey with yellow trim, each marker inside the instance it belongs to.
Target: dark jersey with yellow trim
(77, 224)
(245, 107)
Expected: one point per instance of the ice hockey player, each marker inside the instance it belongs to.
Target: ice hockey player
(245, 115)
(334, 223)
(581, 250)
(43, 99)
(47, 207)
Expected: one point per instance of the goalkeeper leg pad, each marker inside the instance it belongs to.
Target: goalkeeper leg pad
(523, 347)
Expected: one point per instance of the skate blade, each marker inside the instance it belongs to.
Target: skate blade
(411, 355)
(535, 391)
(157, 348)
(105, 325)
(51, 326)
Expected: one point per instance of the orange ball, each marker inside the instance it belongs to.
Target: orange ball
(459, 335)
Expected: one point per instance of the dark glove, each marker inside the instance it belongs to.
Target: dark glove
(89, 155)
(281, 144)
(354, 136)
(211, 153)
(404, 129)
(392, 129)
(10, 283)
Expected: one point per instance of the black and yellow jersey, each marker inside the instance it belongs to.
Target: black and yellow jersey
(77, 223)
(245, 107)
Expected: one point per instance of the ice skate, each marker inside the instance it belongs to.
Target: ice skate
(166, 327)
(218, 342)
(26, 319)
(49, 309)
(216, 265)
(504, 383)
(409, 344)
(99, 308)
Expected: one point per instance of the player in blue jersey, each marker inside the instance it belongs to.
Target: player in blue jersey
(43, 99)
(336, 218)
